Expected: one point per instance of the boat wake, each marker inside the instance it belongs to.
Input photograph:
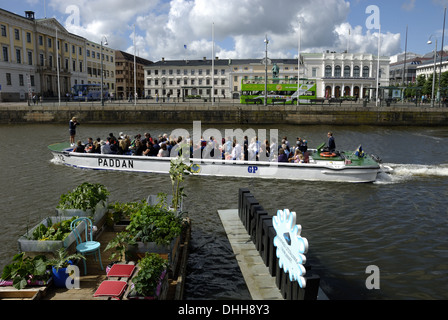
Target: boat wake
(396, 173)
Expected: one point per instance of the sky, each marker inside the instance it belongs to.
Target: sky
(187, 29)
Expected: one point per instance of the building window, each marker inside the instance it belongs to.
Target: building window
(314, 72)
(365, 72)
(88, 53)
(41, 59)
(51, 61)
(49, 42)
(80, 66)
(356, 72)
(21, 82)
(18, 56)
(337, 71)
(3, 30)
(30, 58)
(8, 79)
(327, 71)
(16, 34)
(346, 72)
(32, 81)
(80, 51)
(41, 40)
(74, 65)
(28, 37)
(5, 54)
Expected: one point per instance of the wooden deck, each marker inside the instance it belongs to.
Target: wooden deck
(88, 284)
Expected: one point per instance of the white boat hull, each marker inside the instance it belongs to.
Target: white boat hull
(319, 170)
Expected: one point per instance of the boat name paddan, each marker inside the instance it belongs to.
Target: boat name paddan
(115, 163)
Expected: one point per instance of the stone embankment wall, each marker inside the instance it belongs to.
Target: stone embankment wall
(225, 114)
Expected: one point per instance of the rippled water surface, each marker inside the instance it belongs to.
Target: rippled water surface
(399, 223)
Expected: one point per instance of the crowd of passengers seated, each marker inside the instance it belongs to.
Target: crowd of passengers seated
(230, 149)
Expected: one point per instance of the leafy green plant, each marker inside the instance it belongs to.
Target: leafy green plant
(53, 231)
(151, 267)
(178, 169)
(62, 259)
(85, 196)
(147, 224)
(119, 243)
(121, 210)
(153, 224)
(25, 269)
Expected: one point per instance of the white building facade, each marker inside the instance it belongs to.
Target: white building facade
(336, 75)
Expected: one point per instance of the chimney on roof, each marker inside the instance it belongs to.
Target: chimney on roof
(216, 58)
(29, 15)
(205, 58)
(163, 59)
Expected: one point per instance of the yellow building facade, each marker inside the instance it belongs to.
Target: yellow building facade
(38, 57)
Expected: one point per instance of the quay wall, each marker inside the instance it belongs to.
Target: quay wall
(113, 113)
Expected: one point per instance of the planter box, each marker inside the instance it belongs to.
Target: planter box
(100, 212)
(167, 251)
(27, 245)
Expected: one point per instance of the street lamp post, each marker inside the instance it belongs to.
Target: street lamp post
(434, 71)
(102, 71)
(266, 41)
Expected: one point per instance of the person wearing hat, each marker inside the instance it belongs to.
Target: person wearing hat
(72, 130)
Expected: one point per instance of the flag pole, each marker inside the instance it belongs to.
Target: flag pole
(213, 63)
(378, 67)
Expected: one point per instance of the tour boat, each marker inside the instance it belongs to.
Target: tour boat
(354, 166)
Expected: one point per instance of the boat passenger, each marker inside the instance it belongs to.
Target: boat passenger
(236, 151)
(105, 147)
(89, 145)
(163, 152)
(282, 156)
(79, 147)
(331, 142)
(72, 130)
(295, 158)
(96, 147)
(138, 150)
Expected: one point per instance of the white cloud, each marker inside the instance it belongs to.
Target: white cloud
(164, 27)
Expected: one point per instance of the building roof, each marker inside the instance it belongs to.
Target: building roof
(130, 57)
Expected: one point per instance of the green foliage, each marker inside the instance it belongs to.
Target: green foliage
(153, 224)
(85, 196)
(119, 244)
(62, 258)
(57, 231)
(121, 210)
(24, 269)
(151, 267)
(178, 169)
(147, 224)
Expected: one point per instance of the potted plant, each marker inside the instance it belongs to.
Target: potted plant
(150, 279)
(87, 199)
(25, 271)
(59, 266)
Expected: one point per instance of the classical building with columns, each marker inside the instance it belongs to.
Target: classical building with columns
(38, 56)
(345, 74)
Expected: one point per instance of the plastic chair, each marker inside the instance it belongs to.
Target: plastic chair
(86, 246)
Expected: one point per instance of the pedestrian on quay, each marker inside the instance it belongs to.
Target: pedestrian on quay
(72, 129)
